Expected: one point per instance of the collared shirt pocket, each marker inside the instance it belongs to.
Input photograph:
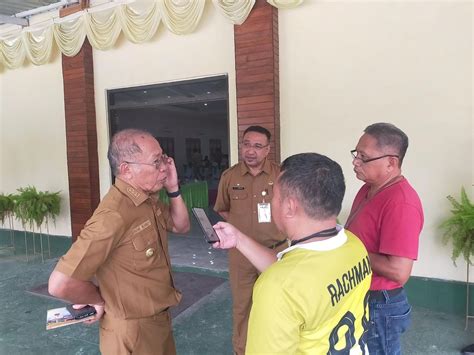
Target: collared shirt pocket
(236, 195)
(146, 252)
(239, 201)
(269, 193)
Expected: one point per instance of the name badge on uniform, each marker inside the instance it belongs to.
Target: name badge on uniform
(264, 209)
(264, 213)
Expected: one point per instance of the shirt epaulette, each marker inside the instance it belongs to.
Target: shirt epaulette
(137, 196)
(228, 170)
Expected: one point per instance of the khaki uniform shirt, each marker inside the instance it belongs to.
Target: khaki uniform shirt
(124, 244)
(239, 194)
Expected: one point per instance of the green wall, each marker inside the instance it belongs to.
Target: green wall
(440, 295)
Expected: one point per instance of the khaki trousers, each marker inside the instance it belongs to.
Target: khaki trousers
(143, 336)
(242, 276)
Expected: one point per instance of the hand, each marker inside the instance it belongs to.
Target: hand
(171, 183)
(228, 235)
(99, 308)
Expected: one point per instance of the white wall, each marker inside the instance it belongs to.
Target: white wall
(168, 57)
(346, 64)
(33, 138)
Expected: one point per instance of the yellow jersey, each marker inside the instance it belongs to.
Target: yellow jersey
(314, 300)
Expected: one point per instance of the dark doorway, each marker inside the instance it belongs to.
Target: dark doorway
(189, 118)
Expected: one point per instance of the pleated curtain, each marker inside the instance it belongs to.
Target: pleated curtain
(102, 26)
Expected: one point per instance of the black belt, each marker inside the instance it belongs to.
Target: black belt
(277, 244)
(380, 296)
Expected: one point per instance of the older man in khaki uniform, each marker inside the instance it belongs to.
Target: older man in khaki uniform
(244, 200)
(124, 245)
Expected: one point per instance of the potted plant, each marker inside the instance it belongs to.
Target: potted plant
(23, 212)
(33, 209)
(459, 229)
(48, 207)
(7, 204)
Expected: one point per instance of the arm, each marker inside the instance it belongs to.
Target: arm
(230, 237)
(222, 204)
(91, 249)
(399, 235)
(179, 215)
(77, 292)
(178, 209)
(395, 268)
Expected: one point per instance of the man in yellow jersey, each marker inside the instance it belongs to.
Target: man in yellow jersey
(311, 298)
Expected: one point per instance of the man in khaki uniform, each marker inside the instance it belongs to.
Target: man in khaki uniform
(244, 200)
(124, 246)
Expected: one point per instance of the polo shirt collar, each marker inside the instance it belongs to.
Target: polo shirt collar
(136, 195)
(320, 245)
(266, 168)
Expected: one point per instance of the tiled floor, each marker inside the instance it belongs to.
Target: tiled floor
(203, 328)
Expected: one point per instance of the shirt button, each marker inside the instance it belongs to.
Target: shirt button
(149, 252)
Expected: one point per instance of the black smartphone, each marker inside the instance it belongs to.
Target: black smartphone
(209, 233)
(81, 313)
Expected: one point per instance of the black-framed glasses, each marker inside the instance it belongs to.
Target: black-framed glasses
(256, 146)
(158, 163)
(364, 161)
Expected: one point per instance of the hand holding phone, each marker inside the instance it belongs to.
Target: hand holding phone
(228, 235)
(209, 233)
(81, 312)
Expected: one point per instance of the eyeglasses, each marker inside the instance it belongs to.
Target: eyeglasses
(256, 146)
(158, 163)
(354, 154)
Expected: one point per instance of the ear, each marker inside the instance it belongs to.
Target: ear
(124, 170)
(392, 163)
(290, 207)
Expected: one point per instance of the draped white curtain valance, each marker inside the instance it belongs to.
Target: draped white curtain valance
(102, 26)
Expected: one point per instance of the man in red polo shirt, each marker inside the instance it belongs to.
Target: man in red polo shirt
(388, 217)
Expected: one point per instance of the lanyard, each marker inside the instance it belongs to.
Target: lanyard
(322, 234)
(363, 203)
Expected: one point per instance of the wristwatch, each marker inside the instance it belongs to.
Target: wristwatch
(173, 194)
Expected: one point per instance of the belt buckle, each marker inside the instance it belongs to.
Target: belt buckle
(394, 291)
(379, 295)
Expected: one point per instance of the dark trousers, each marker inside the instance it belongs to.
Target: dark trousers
(389, 318)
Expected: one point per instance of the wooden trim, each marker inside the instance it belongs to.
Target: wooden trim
(81, 136)
(257, 73)
(66, 11)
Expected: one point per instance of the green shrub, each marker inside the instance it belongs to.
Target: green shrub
(33, 208)
(459, 228)
(7, 205)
